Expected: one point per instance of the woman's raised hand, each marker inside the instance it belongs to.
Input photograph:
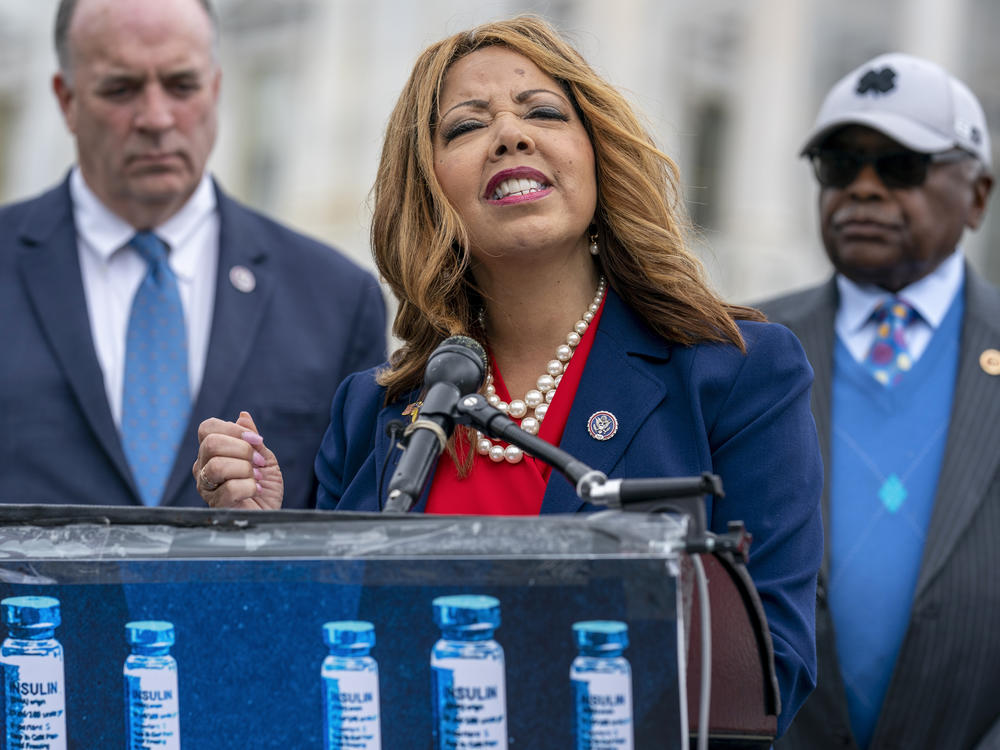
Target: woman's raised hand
(234, 468)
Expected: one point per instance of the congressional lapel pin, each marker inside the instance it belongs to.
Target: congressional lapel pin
(243, 279)
(602, 425)
(989, 360)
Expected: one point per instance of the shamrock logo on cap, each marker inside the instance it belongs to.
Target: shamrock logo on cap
(878, 81)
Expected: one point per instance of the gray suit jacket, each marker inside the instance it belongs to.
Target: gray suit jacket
(945, 689)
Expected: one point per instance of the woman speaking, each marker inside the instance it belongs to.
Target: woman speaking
(519, 202)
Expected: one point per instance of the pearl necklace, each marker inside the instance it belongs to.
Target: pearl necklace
(531, 409)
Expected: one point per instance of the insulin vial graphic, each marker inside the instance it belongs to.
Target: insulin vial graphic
(34, 684)
(468, 677)
(152, 714)
(350, 687)
(602, 687)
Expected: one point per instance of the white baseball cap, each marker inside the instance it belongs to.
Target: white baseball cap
(913, 101)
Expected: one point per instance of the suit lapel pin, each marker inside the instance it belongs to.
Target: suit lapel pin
(602, 425)
(989, 360)
(243, 279)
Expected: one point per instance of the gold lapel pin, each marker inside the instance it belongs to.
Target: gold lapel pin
(989, 360)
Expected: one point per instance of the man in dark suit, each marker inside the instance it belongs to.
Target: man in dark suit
(137, 299)
(904, 341)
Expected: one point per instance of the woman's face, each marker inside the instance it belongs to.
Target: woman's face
(513, 158)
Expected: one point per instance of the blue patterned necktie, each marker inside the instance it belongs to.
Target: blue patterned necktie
(155, 400)
(889, 357)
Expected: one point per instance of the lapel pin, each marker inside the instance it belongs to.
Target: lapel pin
(602, 425)
(989, 360)
(243, 279)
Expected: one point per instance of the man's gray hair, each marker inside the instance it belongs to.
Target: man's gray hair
(64, 17)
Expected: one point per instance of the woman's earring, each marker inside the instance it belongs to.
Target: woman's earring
(594, 249)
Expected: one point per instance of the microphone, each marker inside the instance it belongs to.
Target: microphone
(455, 369)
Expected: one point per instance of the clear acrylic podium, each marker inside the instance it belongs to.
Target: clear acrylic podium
(248, 595)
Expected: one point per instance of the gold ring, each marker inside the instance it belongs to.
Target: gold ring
(207, 483)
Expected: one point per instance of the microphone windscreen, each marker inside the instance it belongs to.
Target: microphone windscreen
(468, 343)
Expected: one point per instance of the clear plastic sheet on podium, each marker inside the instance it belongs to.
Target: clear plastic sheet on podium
(248, 595)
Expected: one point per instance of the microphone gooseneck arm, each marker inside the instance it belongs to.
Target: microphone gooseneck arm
(476, 411)
(672, 493)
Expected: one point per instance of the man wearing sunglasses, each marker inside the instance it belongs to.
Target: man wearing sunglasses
(905, 343)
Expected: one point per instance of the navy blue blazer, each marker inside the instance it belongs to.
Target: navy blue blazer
(681, 411)
(278, 351)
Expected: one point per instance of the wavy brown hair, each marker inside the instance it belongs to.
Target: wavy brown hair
(420, 241)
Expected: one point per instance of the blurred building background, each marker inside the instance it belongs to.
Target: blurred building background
(728, 87)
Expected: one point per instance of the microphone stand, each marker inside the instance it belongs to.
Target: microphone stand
(648, 495)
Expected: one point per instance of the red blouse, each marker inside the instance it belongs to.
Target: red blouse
(504, 489)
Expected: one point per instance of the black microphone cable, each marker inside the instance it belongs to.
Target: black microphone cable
(394, 429)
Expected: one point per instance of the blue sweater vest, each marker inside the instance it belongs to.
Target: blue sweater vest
(886, 450)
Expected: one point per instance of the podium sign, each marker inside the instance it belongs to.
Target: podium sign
(298, 630)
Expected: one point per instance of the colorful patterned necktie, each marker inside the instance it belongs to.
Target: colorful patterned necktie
(889, 358)
(156, 400)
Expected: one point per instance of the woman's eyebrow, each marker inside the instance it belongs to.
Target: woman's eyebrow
(524, 95)
(519, 98)
(476, 103)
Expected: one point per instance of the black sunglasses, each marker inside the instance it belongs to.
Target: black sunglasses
(896, 169)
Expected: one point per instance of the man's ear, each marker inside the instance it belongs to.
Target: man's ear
(982, 184)
(66, 97)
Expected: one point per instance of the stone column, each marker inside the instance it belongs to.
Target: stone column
(768, 235)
